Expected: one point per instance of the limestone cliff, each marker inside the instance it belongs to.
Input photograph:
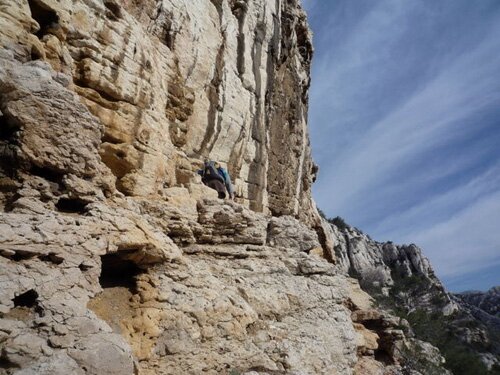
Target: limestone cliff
(114, 258)
(403, 282)
(173, 82)
(487, 301)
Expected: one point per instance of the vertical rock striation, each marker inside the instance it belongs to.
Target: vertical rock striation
(174, 82)
(114, 258)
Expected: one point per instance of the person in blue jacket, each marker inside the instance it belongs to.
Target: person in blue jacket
(216, 177)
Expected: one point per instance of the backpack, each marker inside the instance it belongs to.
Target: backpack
(211, 173)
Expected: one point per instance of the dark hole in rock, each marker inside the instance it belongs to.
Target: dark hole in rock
(84, 267)
(8, 129)
(35, 55)
(120, 154)
(108, 138)
(383, 356)
(47, 173)
(9, 133)
(27, 299)
(22, 255)
(46, 17)
(52, 258)
(9, 159)
(374, 325)
(118, 272)
(5, 363)
(114, 9)
(25, 305)
(71, 205)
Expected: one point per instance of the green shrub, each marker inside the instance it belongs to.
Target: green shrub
(339, 223)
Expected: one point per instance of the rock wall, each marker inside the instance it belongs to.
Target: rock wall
(114, 258)
(380, 266)
(403, 283)
(174, 82)
(488, 301)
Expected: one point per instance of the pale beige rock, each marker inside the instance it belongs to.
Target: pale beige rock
(181, 81)
(114, 257)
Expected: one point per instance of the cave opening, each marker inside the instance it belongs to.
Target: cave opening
(8, 129)
(46, 17)
(117, 271)
(27, 299)
(47, 174)
(71, 205)
(26, 306)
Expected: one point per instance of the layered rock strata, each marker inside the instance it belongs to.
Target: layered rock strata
(108, 292)
(403, 282)
(174, 82)
(114, 258)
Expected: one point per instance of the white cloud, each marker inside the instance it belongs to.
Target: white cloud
(467, 242)
(459, 228)
(428, 117)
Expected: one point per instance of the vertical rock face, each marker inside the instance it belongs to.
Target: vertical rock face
(114, 258)
(175, 82)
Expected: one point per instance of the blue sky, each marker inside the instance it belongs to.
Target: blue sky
(405, 126)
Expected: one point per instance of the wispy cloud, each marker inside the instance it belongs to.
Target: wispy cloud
(468, 241)
(405, 105)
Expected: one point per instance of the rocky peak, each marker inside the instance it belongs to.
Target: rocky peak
(488, 301)
(403, 283)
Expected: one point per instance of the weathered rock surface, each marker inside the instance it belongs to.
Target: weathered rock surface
(487, 301)
(402, 281)
(171, 83)
(115, 259)
(206, 307)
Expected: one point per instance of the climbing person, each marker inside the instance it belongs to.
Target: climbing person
(217, 178)
(227, 180)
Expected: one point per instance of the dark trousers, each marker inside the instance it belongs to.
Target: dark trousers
(219, 187)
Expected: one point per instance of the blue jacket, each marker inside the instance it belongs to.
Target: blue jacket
(227, 180)
(225, 176)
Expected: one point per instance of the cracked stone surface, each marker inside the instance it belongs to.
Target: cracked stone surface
(114, 258)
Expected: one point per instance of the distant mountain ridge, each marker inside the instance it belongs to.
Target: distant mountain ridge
(488, 301)
(464, 326)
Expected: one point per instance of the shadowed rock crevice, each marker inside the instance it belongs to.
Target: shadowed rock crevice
(214, 95)
(26, 306)
(117, 271)
(6, 364)
(46, 17)
(71, 205)
(239, 9)
(26, 299)
(113, 10)
(9, 142)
